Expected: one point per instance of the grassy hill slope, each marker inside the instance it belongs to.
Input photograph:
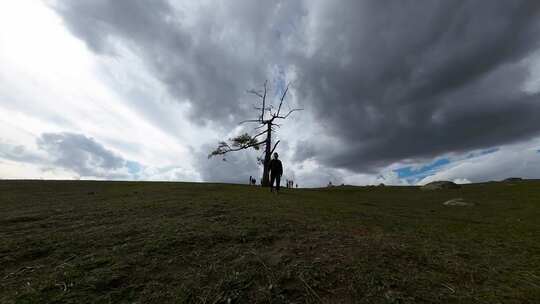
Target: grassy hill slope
(135, 242)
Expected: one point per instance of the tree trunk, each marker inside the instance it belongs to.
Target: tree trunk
(267, 157)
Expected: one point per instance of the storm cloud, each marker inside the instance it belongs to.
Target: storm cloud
(207, 54)
(389, 81)
(404, 79)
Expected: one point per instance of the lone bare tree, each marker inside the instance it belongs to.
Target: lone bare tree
(267, 122)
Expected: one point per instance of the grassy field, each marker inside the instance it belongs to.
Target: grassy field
(135, 242)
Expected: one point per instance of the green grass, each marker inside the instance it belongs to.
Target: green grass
(134, 242)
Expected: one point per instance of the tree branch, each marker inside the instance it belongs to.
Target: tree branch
(293, 110)
(260, 134)
(244, 147)
(249, 120)
(254, 93)
(263, 101)
(282, 98)
(274, 148)
(224, 148)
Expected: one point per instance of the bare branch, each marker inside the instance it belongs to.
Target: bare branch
(293, 110)
(263, 101)
(282, 98)
(274, 148)
(249, 120)
(265, 131)
(254, 93)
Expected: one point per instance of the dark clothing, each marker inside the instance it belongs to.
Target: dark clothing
(275, 167)
(276, 178)
(276, 170)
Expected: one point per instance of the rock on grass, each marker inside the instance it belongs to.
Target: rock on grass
(457, 202)
(440, 185)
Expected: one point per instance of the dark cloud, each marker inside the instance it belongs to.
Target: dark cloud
(389, 80)
(304, 150)
(207, 56)
(84, 156)
(402, 79)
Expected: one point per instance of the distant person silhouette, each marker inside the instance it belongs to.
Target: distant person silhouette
(276, 170)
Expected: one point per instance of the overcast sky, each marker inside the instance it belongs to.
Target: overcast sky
(398, 92)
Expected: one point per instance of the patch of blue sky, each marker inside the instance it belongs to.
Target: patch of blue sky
(412, 174)
(133, 167)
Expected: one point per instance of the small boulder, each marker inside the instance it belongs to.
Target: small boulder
(457, 202)
(438, 185)
(513, 179)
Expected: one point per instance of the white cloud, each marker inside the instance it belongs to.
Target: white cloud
(52, 83)
(461, 181)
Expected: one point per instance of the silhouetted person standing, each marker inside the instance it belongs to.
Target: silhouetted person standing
(276, 170)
